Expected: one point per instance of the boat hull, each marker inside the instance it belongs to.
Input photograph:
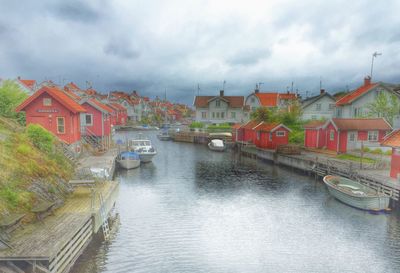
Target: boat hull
(377, 202)
(146, 157)
(216, 149)
(129, 164)
(164, 138)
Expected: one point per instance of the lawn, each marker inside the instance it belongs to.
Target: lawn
(355, 158)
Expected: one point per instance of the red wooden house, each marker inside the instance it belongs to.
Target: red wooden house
(393, 140)
(342, 135)
(96, 122)
(270, 135)
(51, 108)
(236, 132)
(122, 114)
(247, 131)
(315, 134)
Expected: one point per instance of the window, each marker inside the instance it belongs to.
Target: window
(338, 112)
(253, 100)
(270, 137)
(60, 125)
(358, 112)
(372, 135)
(318, 106)
(331, 135)
(352, 136)
(222, 115)
(217, 114)
(233, 114)
(331, 106)
(258, 135)
(217, 103)
(213, 114)
(203, 115)
(280, 133)
(47, 102)
(313, 117)
(88, 119)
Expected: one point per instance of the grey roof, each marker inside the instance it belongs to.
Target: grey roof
(306, 102)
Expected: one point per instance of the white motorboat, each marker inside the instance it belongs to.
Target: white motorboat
(217, 145)
(128, 160)
(164, 135)
(144, 148)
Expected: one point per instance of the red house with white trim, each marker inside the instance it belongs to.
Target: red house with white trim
(342, 135)
(393, 140)
(96, 122)
(270, 135)
(55, 111)
(247, 131)
(122, 113)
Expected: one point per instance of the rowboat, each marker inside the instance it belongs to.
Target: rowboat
(217, 145)
(128, 160)
(356, 194)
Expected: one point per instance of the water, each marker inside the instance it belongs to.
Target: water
(193, 210)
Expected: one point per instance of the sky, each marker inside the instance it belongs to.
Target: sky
(173, 47)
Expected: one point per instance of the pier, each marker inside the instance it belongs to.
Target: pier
(320, 165)
(55, 243)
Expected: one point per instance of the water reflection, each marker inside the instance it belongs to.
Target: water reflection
(193, 210)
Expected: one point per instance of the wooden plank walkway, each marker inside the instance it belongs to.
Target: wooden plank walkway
(43, 240)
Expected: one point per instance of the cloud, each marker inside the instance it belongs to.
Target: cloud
(152, 45)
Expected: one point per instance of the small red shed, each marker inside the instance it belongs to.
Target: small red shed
(393, 140)
(122, 114)
(236, 132)
(55, 111)
(247, 130)
(271, 135)
(314, 134)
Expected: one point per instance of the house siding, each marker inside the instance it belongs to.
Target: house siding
(326, 112)
(395, 165)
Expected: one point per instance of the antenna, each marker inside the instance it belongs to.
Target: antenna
(198, 89)
(292, 87)
(223, 85)
(320, 83)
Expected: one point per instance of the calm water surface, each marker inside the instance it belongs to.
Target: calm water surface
(193, 210)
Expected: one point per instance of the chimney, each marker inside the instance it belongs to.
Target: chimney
(322, 91)
(257, 91)
(221, 93)
(367, 80)
(19, 77)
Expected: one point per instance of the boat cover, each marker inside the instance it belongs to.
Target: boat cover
(129, 155)
(217, 143)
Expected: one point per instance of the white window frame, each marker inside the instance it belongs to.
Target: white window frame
(233, 115)
(318, 106)
(47, 102)
(373, 136)
(280, 133)
(203, 115)
(270, 136)
(91, 120)
(217, 103)
(58, 125)
(258, 135)
(332, 135)
(222, 115)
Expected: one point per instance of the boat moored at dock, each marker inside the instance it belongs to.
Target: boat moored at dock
(128, 160)
(144, 148)
(164, 135)
(217, 145)
(356, 194)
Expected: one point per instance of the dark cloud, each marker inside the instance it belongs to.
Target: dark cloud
(121, 49)
(74, 10)
(249, 57)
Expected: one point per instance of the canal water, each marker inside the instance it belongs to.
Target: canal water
(194, 210)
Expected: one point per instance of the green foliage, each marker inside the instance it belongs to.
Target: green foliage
(385, 106)
(196, 124)
(366, 150)
(10, 97)
(9, 195)
(296, 137)
(220, 126)
(388, 152)
(40, 137)
(355, 158)
(377, 151)
(24, 149)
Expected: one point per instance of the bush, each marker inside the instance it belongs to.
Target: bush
(196, 124)
(24, 149)
(377, 151)
(11, 196)
(296, 137)
(10, 97)
(366, 150)
(40, 137)
(389, 152)
(219, 126)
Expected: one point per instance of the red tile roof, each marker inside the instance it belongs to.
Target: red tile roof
(313, 124)
(349, 98)
(266, 127)
(118, 106)
(58, 95)
(101, 105)
(233, 101)
(268, 99)
(28, 83)
(361, 124)
(72, 94)
(250, 125)
(236, 126)
(72, 86)
(392, 140)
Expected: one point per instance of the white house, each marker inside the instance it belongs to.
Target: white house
(356, 103)
(269, 99)
(321, 106)
(220, 109)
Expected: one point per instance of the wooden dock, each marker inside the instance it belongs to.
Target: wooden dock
(319, 166)
(53, 245)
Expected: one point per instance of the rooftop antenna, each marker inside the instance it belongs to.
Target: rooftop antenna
(374, 55)
(223, 85)
(259, 84)
(320, 83)
(292, 87)
(165, 94)
(198, 89)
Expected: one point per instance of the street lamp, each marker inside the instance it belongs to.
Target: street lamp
(374, 55)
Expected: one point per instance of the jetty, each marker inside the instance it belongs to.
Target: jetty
(53, 244)
(320, 165)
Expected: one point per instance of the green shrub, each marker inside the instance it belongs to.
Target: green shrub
(296, 137)
(220, 126)
(388, 152)
(377, 151)
(196, 124)
(24, 149)
(10, 196)
(366, 150)
(40, 137)
(10, 97)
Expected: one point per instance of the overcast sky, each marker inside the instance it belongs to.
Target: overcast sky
(151, 46)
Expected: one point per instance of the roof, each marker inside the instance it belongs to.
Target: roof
(70, 93)
(392, 140)
(349, 98)
(314, 124)
(118, 106)
(100, 106)
(250, 124)
(361, 124)
(269, 127)
(28, 83)
(233, 101)
(236, 126)
(58, 95)
(308, 101)
(268, 99)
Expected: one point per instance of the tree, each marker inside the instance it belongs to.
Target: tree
(265, 114)
(10, 97)
(384, 106)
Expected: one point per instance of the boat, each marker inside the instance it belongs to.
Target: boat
(128, 160)
(356, 194)
(164, 135)
(144, 148)
(217, 145)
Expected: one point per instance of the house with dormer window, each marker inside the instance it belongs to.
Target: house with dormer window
(220, 109)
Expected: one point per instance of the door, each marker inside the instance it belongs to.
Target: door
(351, 140)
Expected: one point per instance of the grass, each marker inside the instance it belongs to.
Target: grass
(23, 163)
(355, 158)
